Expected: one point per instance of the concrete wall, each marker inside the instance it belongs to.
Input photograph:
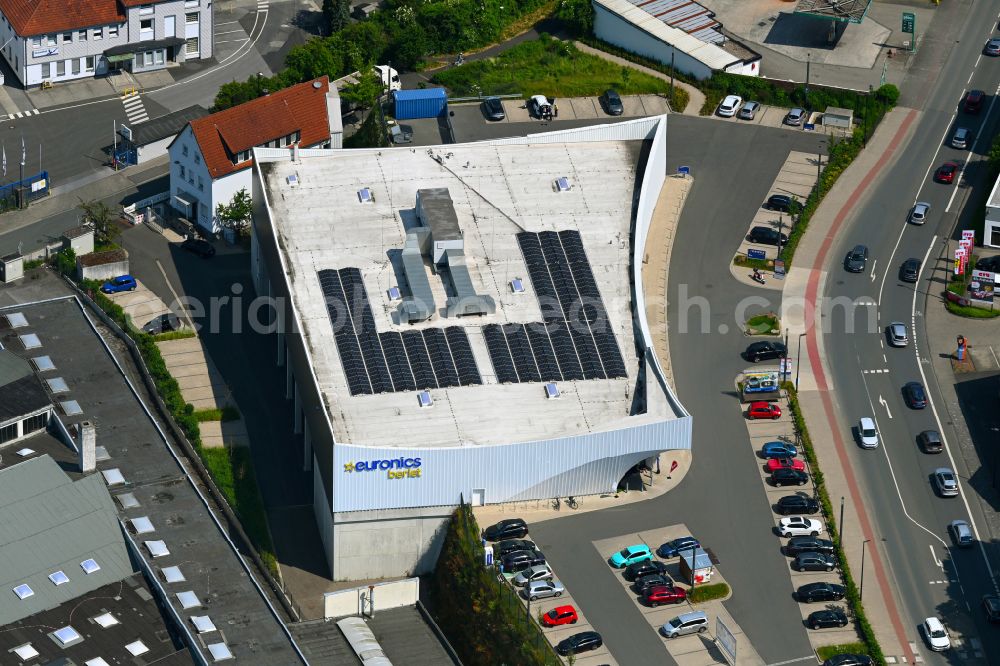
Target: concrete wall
(102, 271)
(381, 596)
(615, 30)
(388, 543)
(153, 150)
(324, 516)
(81, 245)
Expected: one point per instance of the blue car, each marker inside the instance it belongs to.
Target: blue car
(630, 555)
(120, 283)
(674, 548)
(778, 450)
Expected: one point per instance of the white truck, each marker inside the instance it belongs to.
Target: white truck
(388, 76)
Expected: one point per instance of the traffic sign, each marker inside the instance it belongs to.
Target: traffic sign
(684, 170)
(909, 22)
(756, 254)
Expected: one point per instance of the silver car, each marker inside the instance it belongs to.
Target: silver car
(749, 110)
(961, 533)
(919, 213)
(542, 589)
(794, 117)
(537, 572)
(897, 334)
(946, 482)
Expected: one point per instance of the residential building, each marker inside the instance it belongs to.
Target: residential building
(210, 159)
(25, 407)
(47, 41)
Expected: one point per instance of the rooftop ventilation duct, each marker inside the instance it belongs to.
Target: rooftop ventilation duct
(465, 301)
(419, 304)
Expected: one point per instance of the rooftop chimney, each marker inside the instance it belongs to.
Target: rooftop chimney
(87, 444)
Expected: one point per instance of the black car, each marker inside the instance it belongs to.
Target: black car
(637, 569)
(162, 324)
(797, 505)
(856, 259)
(991, 606)
(522, 559)
(493, 108)
(849, 660)
(789, 477)
(929, 441)
(766, 236)
(764, 350)
(585, 641)
(910, 270)
(811, 592)
(612, 103)
(511, 528)
(914, 395)
(643, 583)
(814, 562)
(827, 618)
(991, 264)
(502, 548)
(782, 203)
(808, 544)
(202, 248)
(674, 547)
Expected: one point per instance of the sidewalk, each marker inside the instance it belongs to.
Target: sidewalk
(800, 313)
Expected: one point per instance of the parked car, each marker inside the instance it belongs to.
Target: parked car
(493, 108)
(991, 264)
(559, 616)
(946, 482)
(936, 634)
(162, 324)
(729, 106)
(789, 477)
(992, 47)
(929, 441)
(946, 173)
(910, 270)
(774, 464)
(400, 133)
(961, 533)
(796, 505)
(766, 236)
(521, 560)
(511, 528)
(763, 410)
(584, 641)
(867, 433)
(539, 106)
(778, 450)
(807, 544)
(649, 581)
(918, 215)
(961, 139)
(914, 395)
(991, 606)
(199, 247)
(794, 117)
(542, 589)
(662, 594)
(849, 659)
(612, 103)
(814, 562)
(896, 331)
(856, 259)
(538, 572)
(674, 547)
(813, 592)
(781, 203)
(627, 556)
(695, 622)
(119, 284)
(503, 548)
(790, 526)
(749, 110)
(973, 101)
(764, 350)
(827, 618)
(637, 569)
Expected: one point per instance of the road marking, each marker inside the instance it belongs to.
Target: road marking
(934, 555)
(811, 657)
(874, 261)
(884, 359)
(886, 405)
(995, 360)
(231, 32)
(177, 299)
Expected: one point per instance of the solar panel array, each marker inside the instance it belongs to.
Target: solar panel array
(391, 361)
(575, 340)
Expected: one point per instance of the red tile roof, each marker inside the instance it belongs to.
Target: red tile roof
(301, 108)
(39, 17)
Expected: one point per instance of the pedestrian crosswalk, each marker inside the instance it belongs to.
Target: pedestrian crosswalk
(134, 108)
(262, 5)
(22, 114)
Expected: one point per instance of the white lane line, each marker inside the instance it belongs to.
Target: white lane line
(230, 32)
(944, 439)
(885, 360)
(969, 80)
(995, 360)
(885, 405)
(874, 261)
(934, 555)
(793, 661)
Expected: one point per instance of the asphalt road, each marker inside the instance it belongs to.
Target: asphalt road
(910, 519)
(721, 498)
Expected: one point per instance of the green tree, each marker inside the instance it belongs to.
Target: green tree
(336, 15)
(365, 91)
(100, 217)
(578, 15)
(237, 213)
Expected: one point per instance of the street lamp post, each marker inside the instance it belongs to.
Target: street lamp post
(808, 63)
(798, 361)
(841, 525)
(786, 370)
(861, 589)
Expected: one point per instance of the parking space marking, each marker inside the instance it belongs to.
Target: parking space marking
(810, 657)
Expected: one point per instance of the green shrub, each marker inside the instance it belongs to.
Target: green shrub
(703, 593)
(970, 311)
(828, 651)
(679, 100)
(34, 263)
(65, 263)
(371, 134)
(182, 334)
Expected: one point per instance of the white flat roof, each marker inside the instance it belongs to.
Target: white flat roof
(498, 190)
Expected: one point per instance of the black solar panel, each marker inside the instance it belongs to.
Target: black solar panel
(399, 365)
(343, 330)
(461, 351)
(420, 362)
(520, 350)
(503, 364)
(364, 325)
(444, 365)
(562, 343)
(545, 356)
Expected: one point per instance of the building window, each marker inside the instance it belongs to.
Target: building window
(46, 70)
(201, 185)
(184, 150)
(89, 67)
(37, 422)
(98, 33)
(36, 41)
(67, 38)
(191, 18)
(146, 29)
(183, 172)
(158, 57)
(191, 46)
(190, 3)
(81, 35)
(61, 68)
(145, 9)
(50, 40)
(8, 433)
(76, 65)
(112, 31)
(197, 158)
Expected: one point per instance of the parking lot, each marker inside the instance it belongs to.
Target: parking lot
(140, 304)
(774, 116)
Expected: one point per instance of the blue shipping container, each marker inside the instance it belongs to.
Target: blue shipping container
(425, 103)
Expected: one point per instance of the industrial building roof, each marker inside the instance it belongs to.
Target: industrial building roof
(323, 221)
(20, 391)
(691, 17)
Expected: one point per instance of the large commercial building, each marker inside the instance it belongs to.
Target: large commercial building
(463, 322)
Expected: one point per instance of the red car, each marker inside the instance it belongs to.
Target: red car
(661, 594)
(785, 463)
(560, 615)
(974, 101)
(763, 410)
(946, 173)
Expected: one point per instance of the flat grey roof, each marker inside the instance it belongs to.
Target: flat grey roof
(498, 190)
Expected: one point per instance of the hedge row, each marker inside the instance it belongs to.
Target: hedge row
(853, 598)
(703, 593)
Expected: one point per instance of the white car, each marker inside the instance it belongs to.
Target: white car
(867, 433)
(799, 526)
(936, 635)
(730, 106)
(919, 213)
(540, 105)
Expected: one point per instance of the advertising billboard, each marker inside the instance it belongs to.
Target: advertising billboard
(760, 381)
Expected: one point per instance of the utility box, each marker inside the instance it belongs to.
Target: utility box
(425, 103)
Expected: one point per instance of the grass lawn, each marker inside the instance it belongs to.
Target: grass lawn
(828, 651)
(762, 324)
(547, 66)
(760, 264)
